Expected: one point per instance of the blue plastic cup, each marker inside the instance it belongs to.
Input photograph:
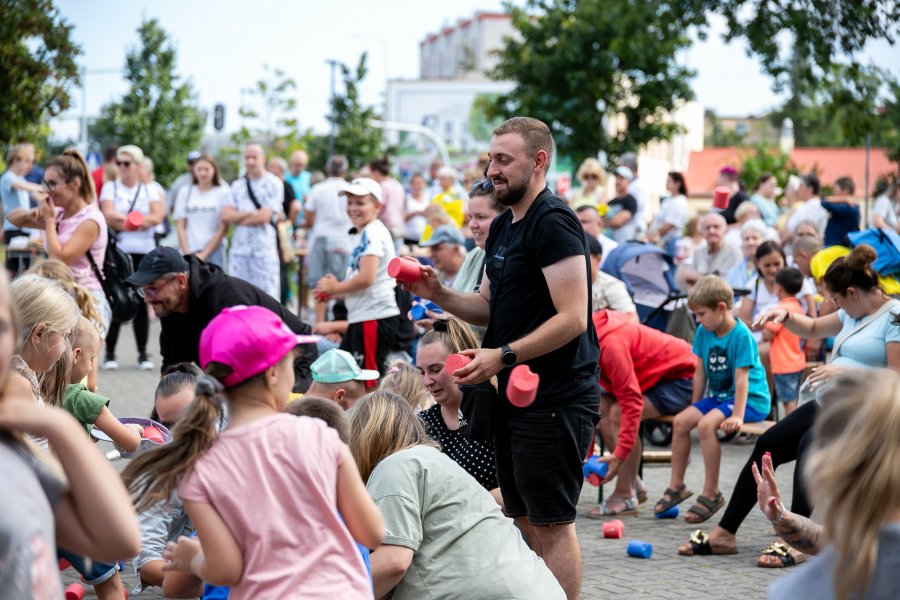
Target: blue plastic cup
(639, 549)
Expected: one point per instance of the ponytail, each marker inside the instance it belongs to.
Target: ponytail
(54, 382)
(71, 164)
(452, 333)
(154, 475)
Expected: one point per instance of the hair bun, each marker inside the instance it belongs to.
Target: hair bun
(183, 367)
(861, 257)
(207, 386)
(441, 325)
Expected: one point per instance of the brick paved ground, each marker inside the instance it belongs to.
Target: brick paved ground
(608, 572)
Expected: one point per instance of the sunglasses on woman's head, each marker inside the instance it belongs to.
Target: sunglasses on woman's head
(484, 186)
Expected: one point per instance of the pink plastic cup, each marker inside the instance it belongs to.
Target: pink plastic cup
(720, 197)
(134, 220)
(613, 529)
(522, 387)
(74, 592)
(456, 361)
(405, 270)
(153, 434)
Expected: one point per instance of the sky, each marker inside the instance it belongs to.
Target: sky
(222, 47)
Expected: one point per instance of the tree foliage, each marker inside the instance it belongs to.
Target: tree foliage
(571, 58)
(159, 112)
(763, 158)
(355, 137)
(37, 66)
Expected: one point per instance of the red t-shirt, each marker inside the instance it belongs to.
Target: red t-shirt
(97, 175)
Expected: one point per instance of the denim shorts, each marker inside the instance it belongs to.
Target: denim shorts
(92, 571)
(787, 386)
(671, 397)
(726, 407)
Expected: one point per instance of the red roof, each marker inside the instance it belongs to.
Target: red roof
(829, 163)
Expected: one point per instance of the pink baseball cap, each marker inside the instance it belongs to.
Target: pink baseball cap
(249, 339)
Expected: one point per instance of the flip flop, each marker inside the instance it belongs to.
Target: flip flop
(705, 507)
(676, 497)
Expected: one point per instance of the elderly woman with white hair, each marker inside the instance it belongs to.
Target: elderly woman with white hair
(753, 233)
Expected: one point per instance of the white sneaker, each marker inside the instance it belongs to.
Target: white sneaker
(110, 365)
(145, 365)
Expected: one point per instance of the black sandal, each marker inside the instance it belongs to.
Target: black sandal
(782, 552)
(700, 544)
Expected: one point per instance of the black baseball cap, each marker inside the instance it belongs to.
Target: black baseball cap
(157, 263)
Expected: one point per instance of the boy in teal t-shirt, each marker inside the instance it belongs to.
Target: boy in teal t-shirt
(730, 369)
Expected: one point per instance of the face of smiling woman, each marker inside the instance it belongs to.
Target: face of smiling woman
(430, 363)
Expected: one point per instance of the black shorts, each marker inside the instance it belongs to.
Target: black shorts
(16, 264)
(539, 456)
(370, 342)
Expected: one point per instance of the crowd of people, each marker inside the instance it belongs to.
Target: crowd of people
(405, 478)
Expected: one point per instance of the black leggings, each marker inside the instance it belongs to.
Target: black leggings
(787, 440)
(141, 326)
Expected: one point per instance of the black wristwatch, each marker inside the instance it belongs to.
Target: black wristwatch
(508, 357)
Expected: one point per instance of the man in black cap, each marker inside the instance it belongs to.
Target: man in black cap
(186, 293)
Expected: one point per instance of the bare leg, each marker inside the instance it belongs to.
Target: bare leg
(685, 421)
(609, 424)
(712, 450)
(562, 554)
(529, 534)
(111, 589)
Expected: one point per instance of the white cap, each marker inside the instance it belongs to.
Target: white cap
(362, 186)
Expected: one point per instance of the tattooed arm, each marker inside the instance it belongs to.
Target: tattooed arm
(797, 531)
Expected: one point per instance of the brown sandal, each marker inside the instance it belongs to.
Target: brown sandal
(676, 497)
(704, 508)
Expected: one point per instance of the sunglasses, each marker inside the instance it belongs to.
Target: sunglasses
(124, 163)
(484, 186)
(591, 176)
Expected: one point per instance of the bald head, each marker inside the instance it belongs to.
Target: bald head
(298, 162)
(254, 160)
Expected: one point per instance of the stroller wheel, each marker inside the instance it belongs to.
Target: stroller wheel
(658, 434)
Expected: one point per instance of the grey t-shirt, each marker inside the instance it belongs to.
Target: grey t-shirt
(28, 567)
(716, 264)
(464, 546)
(816, 579)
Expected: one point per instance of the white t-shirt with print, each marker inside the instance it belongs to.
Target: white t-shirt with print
(132, 242)
(201, 212)
(673, 211)
(376, 301)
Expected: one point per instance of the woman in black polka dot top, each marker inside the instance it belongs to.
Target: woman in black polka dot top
(444, 420)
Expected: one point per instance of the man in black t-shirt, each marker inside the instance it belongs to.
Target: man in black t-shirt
(535, 301)
(728, 177)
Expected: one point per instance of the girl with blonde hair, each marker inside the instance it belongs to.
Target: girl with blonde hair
(590, 192)
(90, 513)
(854, 474)
(404, 380)
(437, 518)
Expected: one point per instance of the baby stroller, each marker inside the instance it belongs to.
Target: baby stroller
(649, 275)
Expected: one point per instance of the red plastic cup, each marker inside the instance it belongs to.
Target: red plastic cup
(595, 480)
(522, 387)
(456, 361)
(321, 296)
(720, 197)
(134, 220)
(613, 529)
(405, 270)
(153, 434)
(74, 592)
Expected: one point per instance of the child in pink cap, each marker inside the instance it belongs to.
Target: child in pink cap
(263, 494)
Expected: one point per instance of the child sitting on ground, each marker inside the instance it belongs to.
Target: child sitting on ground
(728, 363)
(787, 358)
(90, 409)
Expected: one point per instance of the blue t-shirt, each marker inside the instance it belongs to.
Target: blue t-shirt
(843, 218)
(12, 198)
(300, 183)
(722, 355)
(866, 348)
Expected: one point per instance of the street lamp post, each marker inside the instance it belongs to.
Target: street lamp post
(334, 65)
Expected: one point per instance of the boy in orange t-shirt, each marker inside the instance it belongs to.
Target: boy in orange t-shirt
(787, 357)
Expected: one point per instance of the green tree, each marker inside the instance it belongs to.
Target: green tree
(159, 112)
(765, 159)
(572, 58)
(481, 124)
(356, 138)
(37, 55)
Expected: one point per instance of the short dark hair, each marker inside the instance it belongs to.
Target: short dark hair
(324, 409)
(595, 248)
(535, 132)
(846, 184)
(790, 279)
(110, 152)
(811, 180)
(678, 178)
(380, 165)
